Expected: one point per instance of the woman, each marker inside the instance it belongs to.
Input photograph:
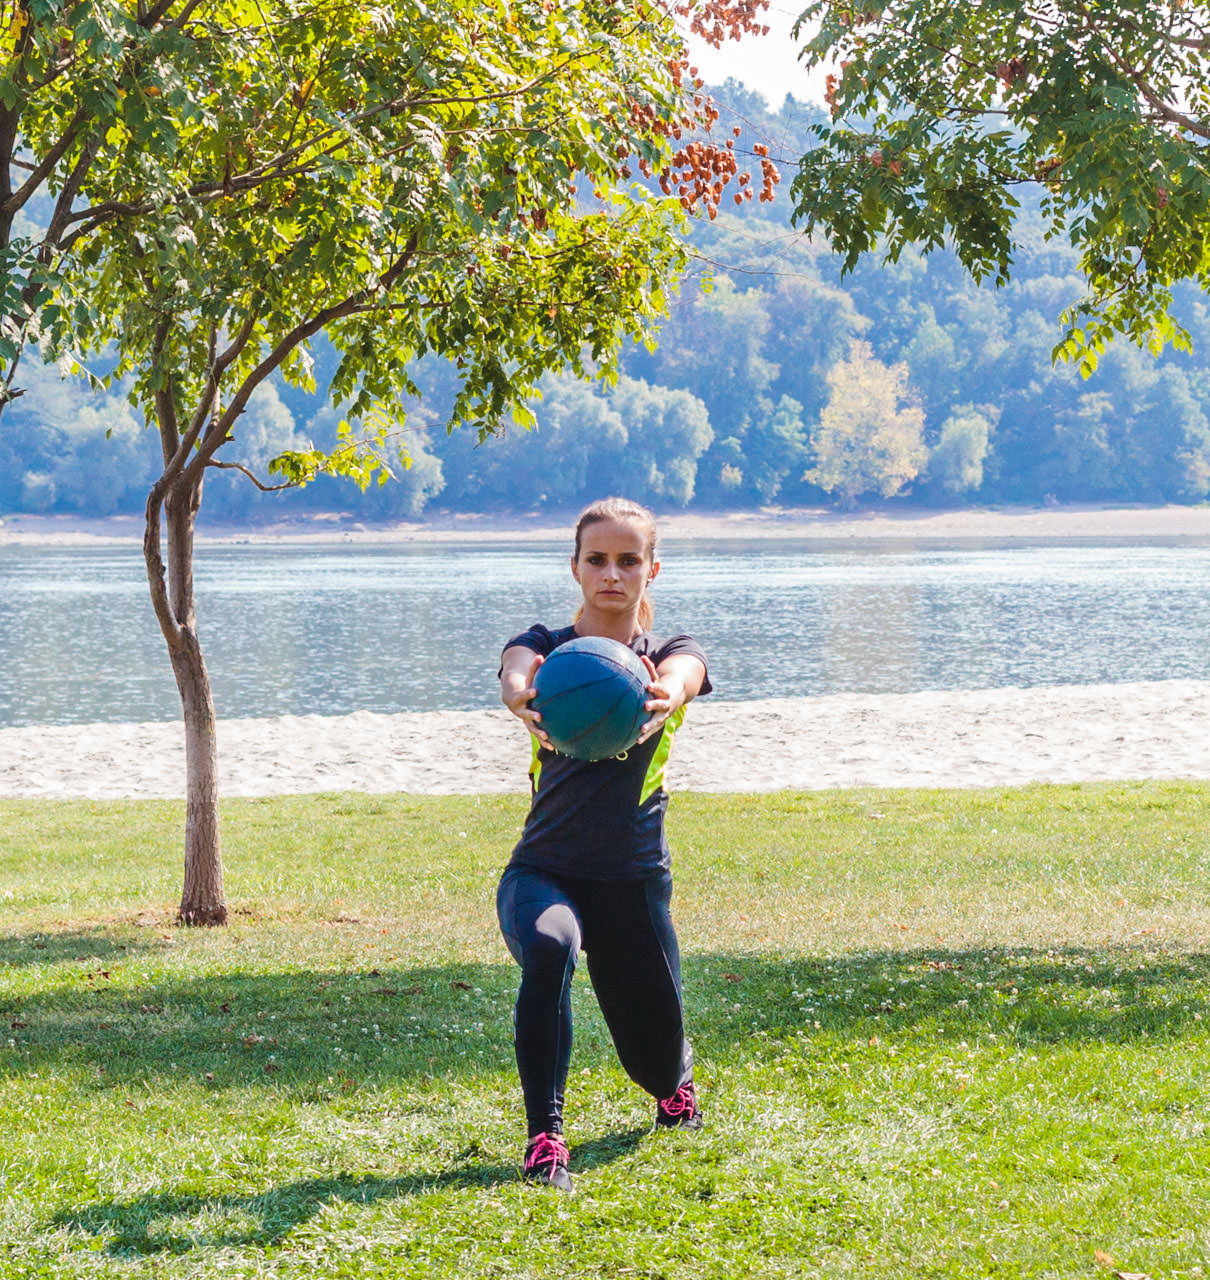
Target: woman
(592, 868)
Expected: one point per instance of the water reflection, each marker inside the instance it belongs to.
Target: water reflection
(332, 630)
(857, 624)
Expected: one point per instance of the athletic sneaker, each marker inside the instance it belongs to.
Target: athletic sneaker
(546, 1161)
(680, 1111)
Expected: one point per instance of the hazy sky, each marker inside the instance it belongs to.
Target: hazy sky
(766, 64)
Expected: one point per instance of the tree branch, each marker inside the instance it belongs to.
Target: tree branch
(165, 405)
(157, 11)
(274, 169)
(1137, 78)
(243, 470)
(218, 431)
(71, 188)
(157, 574)
(216, 367)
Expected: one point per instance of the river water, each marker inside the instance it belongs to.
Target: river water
(329, 630)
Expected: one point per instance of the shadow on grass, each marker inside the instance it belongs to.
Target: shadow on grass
(157, 1223)
(1076, 995)
(319, 1034)
(451, 1021)
(56, 946)
(304, 1029)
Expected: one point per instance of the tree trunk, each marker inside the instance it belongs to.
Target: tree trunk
(202, 898)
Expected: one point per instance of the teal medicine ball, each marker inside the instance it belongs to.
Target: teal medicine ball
(591, 695)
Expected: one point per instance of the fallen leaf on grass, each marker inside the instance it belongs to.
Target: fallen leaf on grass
(732, 977)
(458, 985)
(1106, 1260)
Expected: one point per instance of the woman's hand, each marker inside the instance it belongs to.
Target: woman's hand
(667, 691)
(678, 681)
(517, 691)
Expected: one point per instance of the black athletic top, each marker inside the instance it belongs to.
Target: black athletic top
(601, 819)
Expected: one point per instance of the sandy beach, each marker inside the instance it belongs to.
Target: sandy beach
(978, 738)
(876, 522)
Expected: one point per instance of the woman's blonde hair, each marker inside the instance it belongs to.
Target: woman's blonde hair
(621, 509)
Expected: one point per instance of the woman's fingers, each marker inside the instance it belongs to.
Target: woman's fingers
(532, 721)
(654, 725)
(662, 707)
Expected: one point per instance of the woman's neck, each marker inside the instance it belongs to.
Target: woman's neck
(622, 627)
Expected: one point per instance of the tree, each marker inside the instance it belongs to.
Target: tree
(667, 431)
(714, 345)
(956, 461)
(775, 448)
(942, 113)
(409, 179)
(870, 437)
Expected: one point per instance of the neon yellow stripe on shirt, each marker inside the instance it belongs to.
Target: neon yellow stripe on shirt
(659, 762)
(535, 765)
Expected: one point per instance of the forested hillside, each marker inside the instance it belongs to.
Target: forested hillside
(775, 382)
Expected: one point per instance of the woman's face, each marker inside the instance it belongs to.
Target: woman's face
(614, 565)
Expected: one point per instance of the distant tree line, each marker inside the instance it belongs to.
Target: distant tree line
(781, 383)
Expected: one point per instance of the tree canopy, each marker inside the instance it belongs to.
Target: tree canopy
(408, 178)
(871, 437)
(942, 113)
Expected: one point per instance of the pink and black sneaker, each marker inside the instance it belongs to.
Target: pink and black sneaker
(546, 1159)
(680, 1111)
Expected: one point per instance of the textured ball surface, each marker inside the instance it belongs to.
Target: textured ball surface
(591, 692)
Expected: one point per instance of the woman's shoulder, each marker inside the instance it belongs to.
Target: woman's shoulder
(659, 647)
(541, 639)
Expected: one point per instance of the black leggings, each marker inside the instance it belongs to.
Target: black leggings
(626, 929)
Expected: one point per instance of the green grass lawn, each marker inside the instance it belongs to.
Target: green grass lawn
(955, 1034)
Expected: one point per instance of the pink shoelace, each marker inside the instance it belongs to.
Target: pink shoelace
(681, 1102)
(547, 1148)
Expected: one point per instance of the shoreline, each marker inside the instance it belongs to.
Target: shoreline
(873, 523)
(965, 739)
